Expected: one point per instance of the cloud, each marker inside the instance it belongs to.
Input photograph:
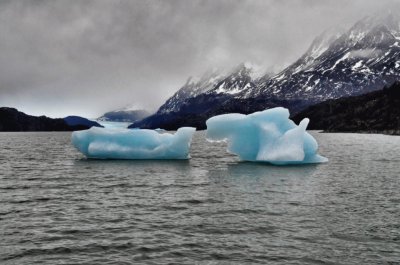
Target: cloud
(365, 53)
(86, 57)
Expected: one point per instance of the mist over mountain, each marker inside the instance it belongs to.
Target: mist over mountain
(130, 113)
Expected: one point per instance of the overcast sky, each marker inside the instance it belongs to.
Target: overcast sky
(86, 57)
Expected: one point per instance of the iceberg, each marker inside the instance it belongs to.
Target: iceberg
(106, 143)
(265, 136)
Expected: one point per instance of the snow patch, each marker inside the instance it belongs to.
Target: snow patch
(338, 61)
(357, 65)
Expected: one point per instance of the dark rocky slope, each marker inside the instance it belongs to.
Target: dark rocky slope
(375, 112)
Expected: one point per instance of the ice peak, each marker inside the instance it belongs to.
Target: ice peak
(248, 69)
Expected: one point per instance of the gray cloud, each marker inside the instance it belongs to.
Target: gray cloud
(86, 57)
(365, 54)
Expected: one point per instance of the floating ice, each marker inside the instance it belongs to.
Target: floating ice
(267, 136)
(115, 143)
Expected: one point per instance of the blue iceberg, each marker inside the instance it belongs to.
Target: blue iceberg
(103, 143)
(266, 136)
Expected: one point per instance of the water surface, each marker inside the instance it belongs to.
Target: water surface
(56, 207)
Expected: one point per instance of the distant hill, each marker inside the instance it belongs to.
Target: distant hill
(374, 112)
(80, 123)
(12, 120)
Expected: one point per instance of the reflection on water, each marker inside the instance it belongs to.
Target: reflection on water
(58, 207)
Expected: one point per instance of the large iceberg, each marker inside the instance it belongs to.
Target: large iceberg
(104, 143)
(266, 136)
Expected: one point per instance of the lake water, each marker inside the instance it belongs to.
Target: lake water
(56, 207)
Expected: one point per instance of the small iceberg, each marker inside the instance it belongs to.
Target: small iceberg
(265, 136)
(103, 143)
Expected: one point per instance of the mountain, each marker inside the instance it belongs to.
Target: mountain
(364, 58)
(128, 114)
(191, 89)
(211, 86)
(12, 120)
(376, 112)
(212, 94)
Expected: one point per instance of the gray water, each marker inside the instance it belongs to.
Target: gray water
(56, 207)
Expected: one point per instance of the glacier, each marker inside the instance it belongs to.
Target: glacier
(265, 136)
(107, 143)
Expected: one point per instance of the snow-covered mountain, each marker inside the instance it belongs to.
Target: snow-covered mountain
(366, 57)
(235, 83)
(192, 88)
(238, 82)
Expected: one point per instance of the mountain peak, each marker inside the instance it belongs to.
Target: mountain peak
(237, 82)
(386, 20)
(322, 42)
(242, 69)
(376, 32)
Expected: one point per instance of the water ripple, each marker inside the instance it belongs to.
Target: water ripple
(59, 208)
